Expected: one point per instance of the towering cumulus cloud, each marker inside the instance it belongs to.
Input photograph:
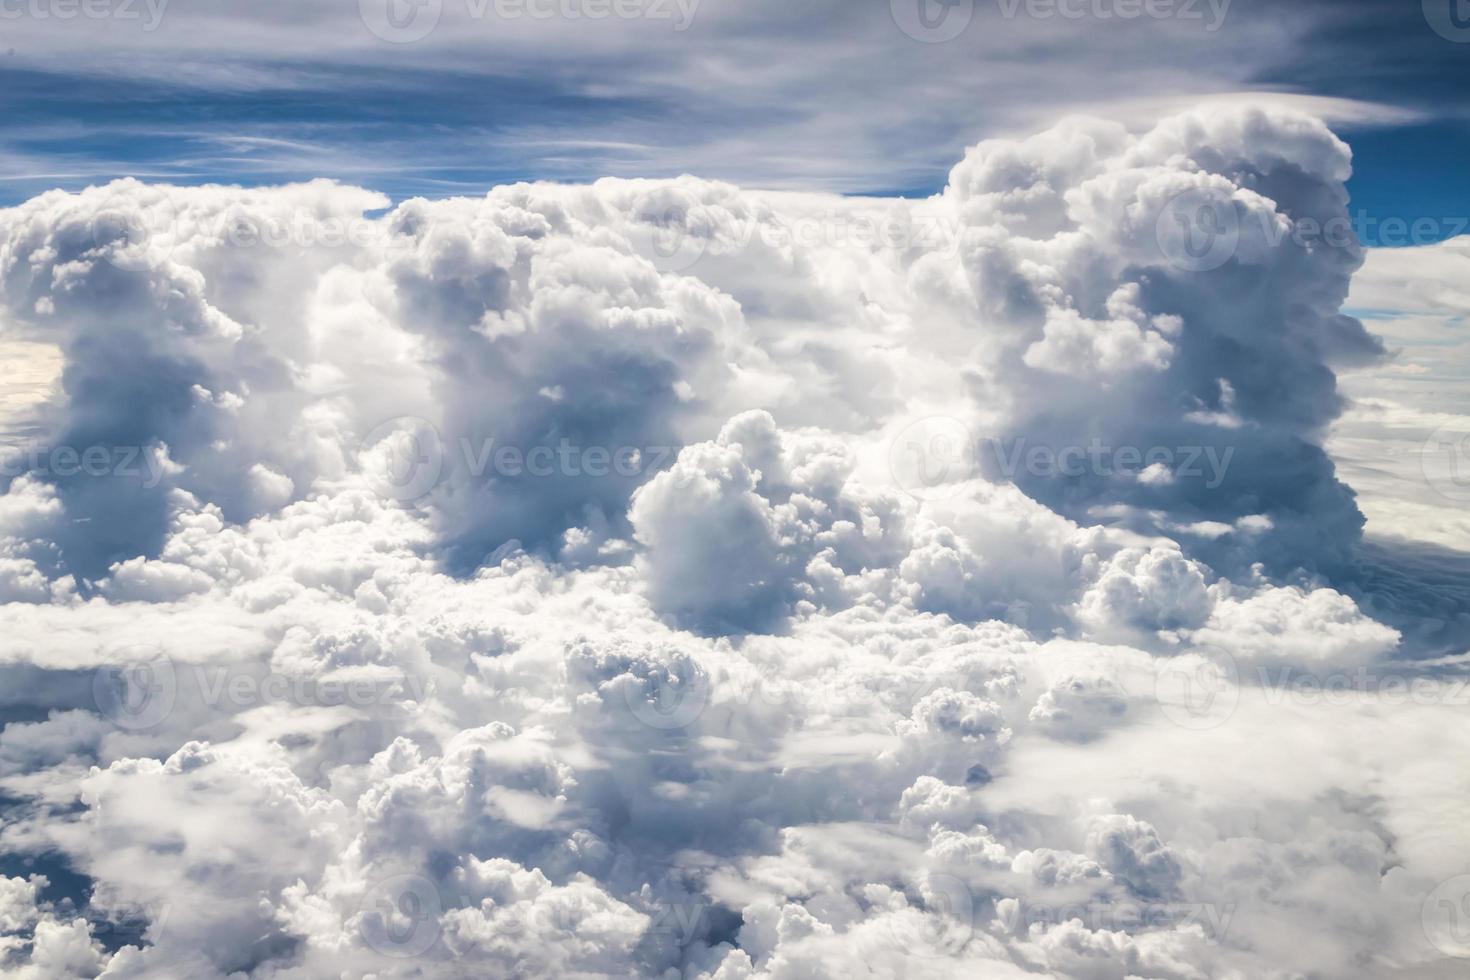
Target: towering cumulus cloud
(655, 578)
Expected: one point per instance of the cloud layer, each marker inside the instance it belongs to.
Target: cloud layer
(661, 578)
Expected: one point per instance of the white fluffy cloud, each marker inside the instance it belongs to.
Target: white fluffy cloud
(659, 578)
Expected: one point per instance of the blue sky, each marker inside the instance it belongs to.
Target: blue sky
(828, 96)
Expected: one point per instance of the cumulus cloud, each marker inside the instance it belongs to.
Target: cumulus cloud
(661, 578)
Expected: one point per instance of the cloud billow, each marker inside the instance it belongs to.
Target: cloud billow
(659, 576)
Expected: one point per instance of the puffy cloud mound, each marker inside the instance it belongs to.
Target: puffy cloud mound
(660, 578)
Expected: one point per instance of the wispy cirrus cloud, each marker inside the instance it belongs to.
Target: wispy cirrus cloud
(831, 96)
